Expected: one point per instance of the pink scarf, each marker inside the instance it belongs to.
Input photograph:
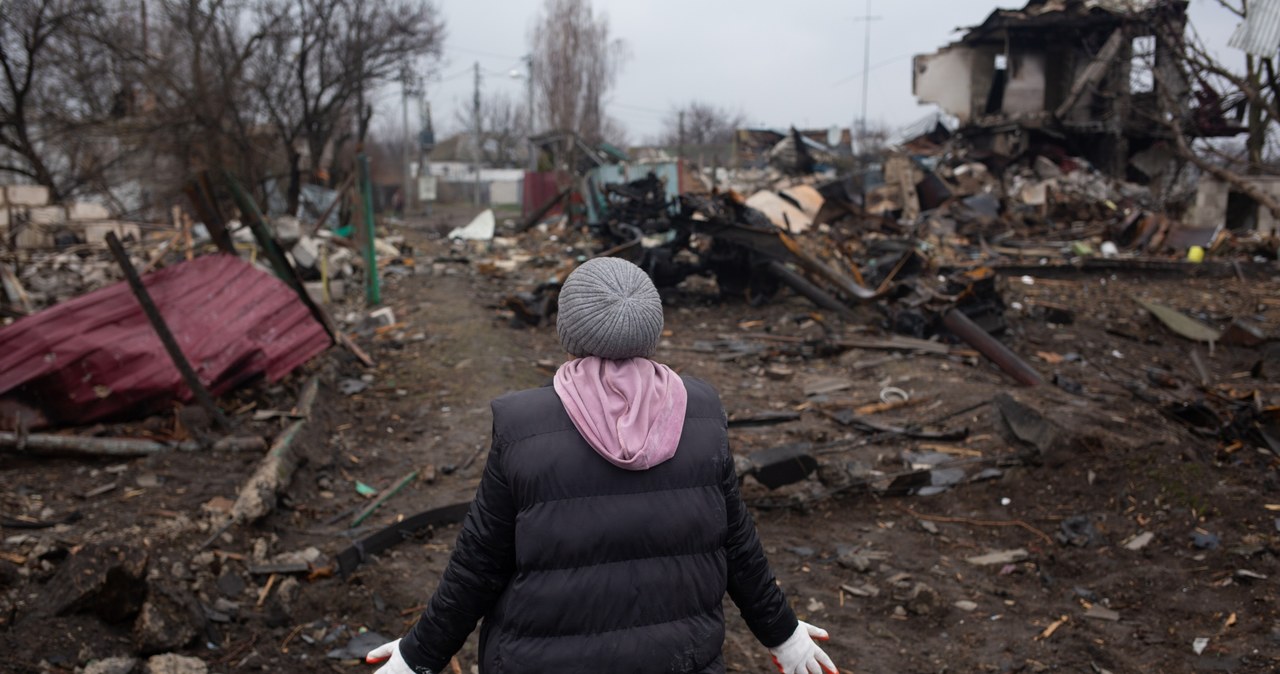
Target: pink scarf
(630, 411)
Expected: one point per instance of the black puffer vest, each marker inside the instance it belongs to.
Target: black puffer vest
(577, 565)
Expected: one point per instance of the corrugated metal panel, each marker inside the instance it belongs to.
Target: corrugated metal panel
(1259, 34)
(97, 357)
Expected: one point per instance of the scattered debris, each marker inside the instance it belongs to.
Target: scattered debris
(999, 557)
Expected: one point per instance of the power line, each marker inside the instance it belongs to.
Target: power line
(873, 66)
(639, 108)
(481, 52)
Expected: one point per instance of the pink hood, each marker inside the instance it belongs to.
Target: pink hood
(630, 411)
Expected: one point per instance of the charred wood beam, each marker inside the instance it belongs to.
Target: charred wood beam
(1092, 74)
(180, 361)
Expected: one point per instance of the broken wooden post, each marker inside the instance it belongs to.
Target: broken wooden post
(198, 390)
(257, 224)
(257, 496)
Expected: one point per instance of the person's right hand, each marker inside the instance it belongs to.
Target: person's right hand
(800, 655)
(389, 653)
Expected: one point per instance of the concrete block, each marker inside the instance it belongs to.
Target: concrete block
(337, 290)
(83, 210)
(48, 216)
(316, 290)
(306, 252)
(27, 195)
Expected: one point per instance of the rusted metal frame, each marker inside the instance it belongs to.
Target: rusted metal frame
(192, 380)
(989, 346)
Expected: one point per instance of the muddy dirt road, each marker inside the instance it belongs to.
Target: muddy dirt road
(1119, 540)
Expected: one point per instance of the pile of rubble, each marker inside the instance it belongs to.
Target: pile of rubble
(228, 299)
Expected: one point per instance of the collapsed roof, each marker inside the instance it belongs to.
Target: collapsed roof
(1090, 74)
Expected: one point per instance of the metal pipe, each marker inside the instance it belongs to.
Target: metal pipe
(812, 292)
(989, 346)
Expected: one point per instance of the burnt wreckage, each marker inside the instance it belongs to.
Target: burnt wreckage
(718, 235)
(1089, 75)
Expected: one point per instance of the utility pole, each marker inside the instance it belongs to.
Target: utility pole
(475, 118)
(406, 191)
(426, 143)
(866, 69)
(533, 151)
(680, 136)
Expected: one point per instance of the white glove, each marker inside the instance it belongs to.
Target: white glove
(799, 655)
(390, 654)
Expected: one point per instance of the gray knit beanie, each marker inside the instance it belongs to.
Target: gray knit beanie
(609, 309)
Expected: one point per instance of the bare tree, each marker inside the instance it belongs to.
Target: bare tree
(699, 123)
(503, 127)
(575, 65)
(186, 65)
(59, 93)
(321, 61)
(1217, 91)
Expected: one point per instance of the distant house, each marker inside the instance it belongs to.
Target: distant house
(464, 171)
(1086, 75)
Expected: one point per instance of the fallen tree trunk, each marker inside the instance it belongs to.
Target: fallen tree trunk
(50, 444)
(257, 497)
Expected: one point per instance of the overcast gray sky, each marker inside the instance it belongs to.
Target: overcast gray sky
(779, 63)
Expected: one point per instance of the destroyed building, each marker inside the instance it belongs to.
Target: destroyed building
(1090, 76)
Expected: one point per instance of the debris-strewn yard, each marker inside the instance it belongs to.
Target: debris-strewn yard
(1002, 384)
(1123, 515)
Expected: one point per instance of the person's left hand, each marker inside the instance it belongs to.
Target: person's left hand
(800, 655)
(388, 653)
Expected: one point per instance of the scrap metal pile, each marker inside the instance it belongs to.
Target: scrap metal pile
(915, 246)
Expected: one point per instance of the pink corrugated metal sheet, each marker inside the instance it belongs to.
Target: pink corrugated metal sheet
(97, 356)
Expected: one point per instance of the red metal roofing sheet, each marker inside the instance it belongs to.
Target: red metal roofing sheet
(97, 356)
